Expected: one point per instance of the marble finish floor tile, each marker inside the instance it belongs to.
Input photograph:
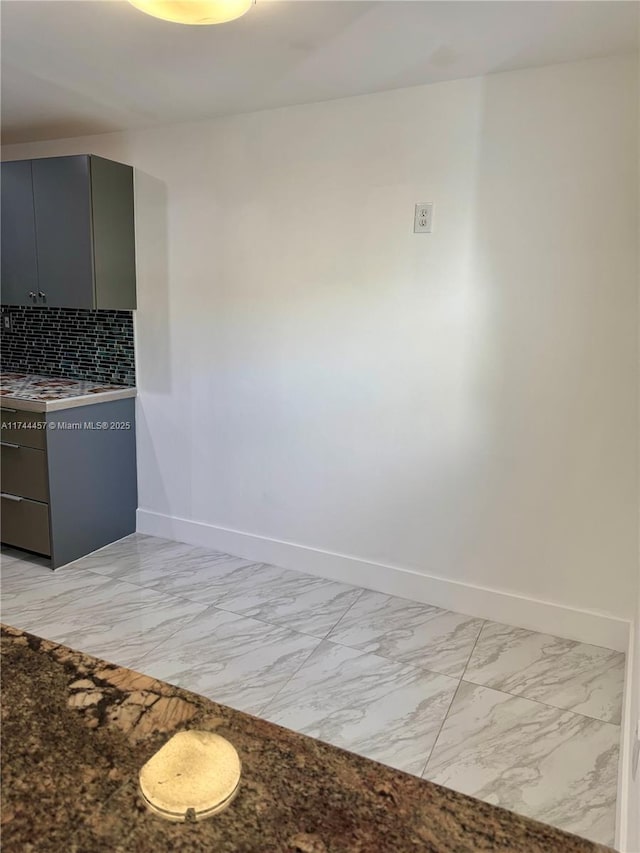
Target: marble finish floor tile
(553, 765)
(32, 593)
(10, 556)
(295, 600)
(172, 567)
(563, 673)
(419, 634)
(110, 619)
(252, 636)
(126, 554)
(301, 602)
(229, 658)
(384, 710)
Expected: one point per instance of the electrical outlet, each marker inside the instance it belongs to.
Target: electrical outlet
(423, 218)
(7, 323)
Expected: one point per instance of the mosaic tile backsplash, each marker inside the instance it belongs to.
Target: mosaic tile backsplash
(71, 342)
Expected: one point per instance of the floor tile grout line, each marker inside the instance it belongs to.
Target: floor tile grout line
(107, 656)
(540, 702)
(521, 695)
(350, 607)
(279, 624)
(444, 719)
(226, 609)
(270, 701)
(144, 586)
(428, 606)
(165, 640)
(263, 621)
(173, 598)
(466, 666)
(168, 593)
(322, 640)
(413, 664)
(151, 589)
(284, 626)
(172, 635)
(398, 659)
(418, 667)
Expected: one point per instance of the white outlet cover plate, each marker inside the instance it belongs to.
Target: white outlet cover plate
(423, 218)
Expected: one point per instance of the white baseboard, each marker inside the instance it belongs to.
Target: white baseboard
(586, 626)
(628, 803)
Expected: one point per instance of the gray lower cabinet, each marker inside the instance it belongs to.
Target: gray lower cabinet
(26, 523)
(68, 237)
(24, 472)
(68, 479)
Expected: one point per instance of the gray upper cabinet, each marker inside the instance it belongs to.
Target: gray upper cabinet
(19, 269)
(82, 208)
(114, 249)
(62, 203)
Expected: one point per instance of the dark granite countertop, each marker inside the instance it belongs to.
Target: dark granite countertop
(76, 730)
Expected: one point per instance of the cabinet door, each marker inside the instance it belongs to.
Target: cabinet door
(19, 270)
(62, 202)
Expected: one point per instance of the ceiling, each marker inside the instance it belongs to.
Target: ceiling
(73, 67)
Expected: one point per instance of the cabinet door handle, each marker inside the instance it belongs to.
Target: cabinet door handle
(42, 295)
(6, 444)
(10, 497)
(32, 294)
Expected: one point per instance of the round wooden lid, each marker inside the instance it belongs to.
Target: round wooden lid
(194, 775)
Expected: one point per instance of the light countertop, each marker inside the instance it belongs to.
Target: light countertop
(33, 393)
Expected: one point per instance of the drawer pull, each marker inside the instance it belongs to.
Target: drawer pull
(10, 497)
(6, 444)
(7, 409)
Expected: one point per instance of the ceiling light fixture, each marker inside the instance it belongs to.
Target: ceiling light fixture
(194, 11)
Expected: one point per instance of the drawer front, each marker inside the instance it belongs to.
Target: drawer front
(24, 428)
(24, 472)
(25, 524)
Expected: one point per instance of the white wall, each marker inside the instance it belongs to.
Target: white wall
(628, 819)
(462, 404)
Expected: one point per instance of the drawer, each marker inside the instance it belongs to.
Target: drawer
(24, 428)
(25, 524)
(24, 472)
